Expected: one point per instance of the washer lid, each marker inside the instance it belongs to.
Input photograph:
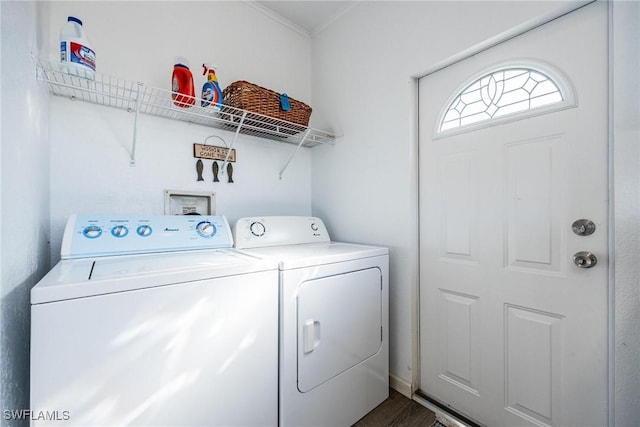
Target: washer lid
(77, 278)
(312, 254)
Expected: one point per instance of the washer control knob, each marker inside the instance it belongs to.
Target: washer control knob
(314, 226)
(257, 228)
(92, 232)
(119, 231)
(206, 229)
(144, 230)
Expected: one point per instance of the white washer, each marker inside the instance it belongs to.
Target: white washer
(143, 322)
(334, 349)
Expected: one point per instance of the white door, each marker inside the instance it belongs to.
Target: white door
(512, 331)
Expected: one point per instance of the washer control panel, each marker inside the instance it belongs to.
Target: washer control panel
(103, 235)
(255, 232)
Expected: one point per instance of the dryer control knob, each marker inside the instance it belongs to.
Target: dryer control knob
(257, 229)
(206, 229)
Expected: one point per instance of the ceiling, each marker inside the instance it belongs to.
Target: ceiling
(309, 15)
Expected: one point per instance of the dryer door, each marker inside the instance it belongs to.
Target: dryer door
(339, 324)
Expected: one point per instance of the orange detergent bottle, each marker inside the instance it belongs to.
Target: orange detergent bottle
(183, 91)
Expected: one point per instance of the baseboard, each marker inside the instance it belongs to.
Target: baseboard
(400, 385)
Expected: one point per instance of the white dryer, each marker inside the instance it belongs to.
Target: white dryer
(154, 320)
(334, 352)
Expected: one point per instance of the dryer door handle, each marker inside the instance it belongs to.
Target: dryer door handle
(311, 335)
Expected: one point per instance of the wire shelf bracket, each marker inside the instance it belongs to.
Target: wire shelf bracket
(132, 159)
(286, 165)
(235, 136)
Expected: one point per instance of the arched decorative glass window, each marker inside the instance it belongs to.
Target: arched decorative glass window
(506, 92)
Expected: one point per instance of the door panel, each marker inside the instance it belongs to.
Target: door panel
(458, 338)
(512, 332)
(533, 221)
(457, 220)
(533, 369)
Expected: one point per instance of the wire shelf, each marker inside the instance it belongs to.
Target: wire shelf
(139, 98)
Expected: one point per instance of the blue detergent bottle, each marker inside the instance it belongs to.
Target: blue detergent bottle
(211, 92)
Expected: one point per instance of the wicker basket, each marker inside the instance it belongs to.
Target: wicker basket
(254, 98)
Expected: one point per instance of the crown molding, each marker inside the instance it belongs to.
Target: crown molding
(278, 18)
(320, 28)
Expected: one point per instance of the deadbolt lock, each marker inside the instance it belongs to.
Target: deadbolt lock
(583, 227)
(584, 259)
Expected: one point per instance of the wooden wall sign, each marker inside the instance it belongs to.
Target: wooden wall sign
(201, 151)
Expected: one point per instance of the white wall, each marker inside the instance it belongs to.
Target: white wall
(626, 179)
(24, 194)
(362, 69)
(90, 145)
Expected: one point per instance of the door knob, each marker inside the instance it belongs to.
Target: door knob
(584, 259)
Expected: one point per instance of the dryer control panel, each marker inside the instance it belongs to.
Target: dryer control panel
(256, 232)
(103, 235)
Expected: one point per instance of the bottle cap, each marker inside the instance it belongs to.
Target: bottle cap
(178, 60)
(74, 19)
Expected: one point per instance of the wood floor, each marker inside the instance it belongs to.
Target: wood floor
(398, 411)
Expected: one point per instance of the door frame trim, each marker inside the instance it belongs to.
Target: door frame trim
(415, 179)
